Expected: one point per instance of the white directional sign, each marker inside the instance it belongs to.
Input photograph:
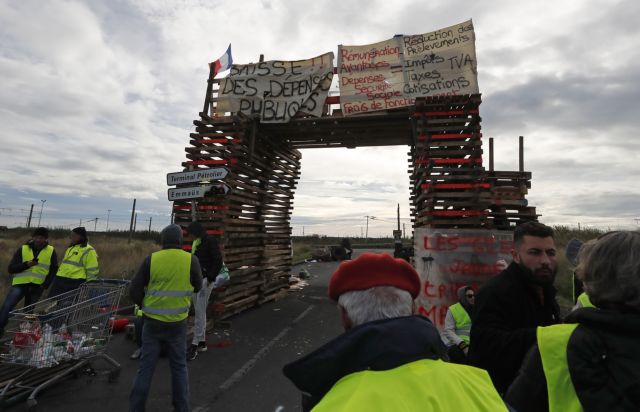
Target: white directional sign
(195, 192)
(216, 173)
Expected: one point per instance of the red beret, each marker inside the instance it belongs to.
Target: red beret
(373, 269)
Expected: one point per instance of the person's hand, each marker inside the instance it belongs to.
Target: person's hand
(32, 263)
(466, 350)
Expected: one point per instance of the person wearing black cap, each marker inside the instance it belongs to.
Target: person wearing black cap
(207, 250)
(388, 359)
(33, 267)
(79, 265)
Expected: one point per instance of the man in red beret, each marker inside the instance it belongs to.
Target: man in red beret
(388, 359)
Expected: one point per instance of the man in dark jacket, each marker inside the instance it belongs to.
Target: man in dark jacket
(387, 359)
(592, 362)
(33, 266)
(162, 287)
(207, 250)
(510, 306)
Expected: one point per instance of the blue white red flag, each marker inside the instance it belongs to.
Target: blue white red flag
(223, 63)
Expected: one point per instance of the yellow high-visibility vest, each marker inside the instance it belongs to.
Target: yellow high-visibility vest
(552, 343)
(79, 262)
(194, 245)
(35, 274)
(424, 385)
(463, 321)
(585, 301)
(168, 294)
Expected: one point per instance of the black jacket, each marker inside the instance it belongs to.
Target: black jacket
(505, 316)
(209, 256)
(604, 364)
(379, 345)
(17, 265)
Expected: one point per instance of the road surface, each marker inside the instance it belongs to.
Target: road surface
(241, 371)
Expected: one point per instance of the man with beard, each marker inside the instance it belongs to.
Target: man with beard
(512, 305)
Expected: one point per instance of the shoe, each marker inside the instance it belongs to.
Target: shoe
(202, 347)
(192, 353)
(136, 354)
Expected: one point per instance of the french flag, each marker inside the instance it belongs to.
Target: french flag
(223, 63)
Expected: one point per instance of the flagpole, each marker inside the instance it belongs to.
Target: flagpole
(207, 98)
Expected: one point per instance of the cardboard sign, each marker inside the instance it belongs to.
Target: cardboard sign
(393, 73)
(447, 259)
(277, 90)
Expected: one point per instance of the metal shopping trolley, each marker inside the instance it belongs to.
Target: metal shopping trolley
(58, 336)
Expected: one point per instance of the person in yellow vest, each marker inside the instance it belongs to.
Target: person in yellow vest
(79, 264)
(33, 267)
(457, 325)
(583, 301)
(592, 362)
(207, 250)
(162, 288)
(388, 359)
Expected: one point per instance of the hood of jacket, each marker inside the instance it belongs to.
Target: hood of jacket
(379, 345)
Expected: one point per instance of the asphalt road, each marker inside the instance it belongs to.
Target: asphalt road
(241, 371)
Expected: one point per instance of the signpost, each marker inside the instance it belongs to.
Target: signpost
(216, 173)
(196, 192)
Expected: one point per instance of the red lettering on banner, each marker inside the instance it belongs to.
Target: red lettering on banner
(505, 247)
(436, 313)
(427, 285)
(446, 291)
(441, 243)
(478, 269)
(478, 245)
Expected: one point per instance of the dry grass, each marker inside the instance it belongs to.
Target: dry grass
(117, 258)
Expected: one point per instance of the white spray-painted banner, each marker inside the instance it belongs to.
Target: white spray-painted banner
(393, 73)
(447, 259)
(277, 90)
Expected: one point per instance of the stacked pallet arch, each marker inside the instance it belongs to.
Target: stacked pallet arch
(418, 91)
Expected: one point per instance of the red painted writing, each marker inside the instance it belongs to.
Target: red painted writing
(476, 244)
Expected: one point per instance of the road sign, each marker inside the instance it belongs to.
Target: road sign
(216, 173)
(195, 192)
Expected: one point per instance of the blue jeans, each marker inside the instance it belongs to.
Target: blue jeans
(173, 336)
(138, 324)
(30, 292)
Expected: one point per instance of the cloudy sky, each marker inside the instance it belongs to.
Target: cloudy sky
(97, 101)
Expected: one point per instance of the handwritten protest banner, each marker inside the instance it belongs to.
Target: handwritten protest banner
(277, 90)
(393, 73)
(448, 259)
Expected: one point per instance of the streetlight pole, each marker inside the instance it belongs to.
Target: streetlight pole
(108, 214)
(41, 207)
(367, 230)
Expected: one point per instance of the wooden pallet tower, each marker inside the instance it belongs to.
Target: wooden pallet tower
(450, 188)
(252, 220)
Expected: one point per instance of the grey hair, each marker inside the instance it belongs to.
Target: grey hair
(380, 302)
(583, 255)
(611, 271)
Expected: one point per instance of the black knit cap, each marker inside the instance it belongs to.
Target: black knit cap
(41, 231)
(196, 229)
(80, 231)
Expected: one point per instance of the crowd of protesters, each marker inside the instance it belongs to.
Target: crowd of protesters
(504, 347)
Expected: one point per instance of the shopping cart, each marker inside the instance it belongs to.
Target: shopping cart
(64, 333)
